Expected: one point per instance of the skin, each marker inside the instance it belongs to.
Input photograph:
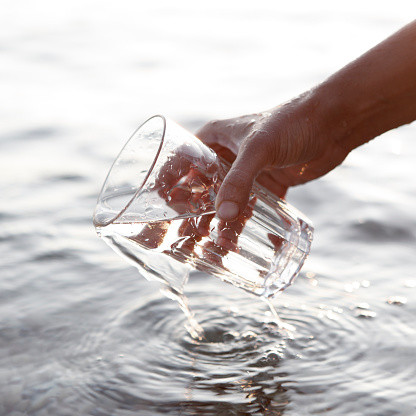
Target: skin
(307, 137)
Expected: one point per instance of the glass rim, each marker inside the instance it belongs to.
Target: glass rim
(150, 170)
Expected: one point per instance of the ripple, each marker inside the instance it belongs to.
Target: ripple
(346, 363)
(143, 358)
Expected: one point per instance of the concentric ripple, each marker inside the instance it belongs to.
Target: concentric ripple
(144, 358)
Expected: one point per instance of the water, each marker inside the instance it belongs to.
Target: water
(81, 332)
(250, 255)
(142, 243)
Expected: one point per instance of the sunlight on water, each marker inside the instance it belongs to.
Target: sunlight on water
(83, 333)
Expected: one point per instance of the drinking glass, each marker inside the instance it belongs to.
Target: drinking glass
(157, 209)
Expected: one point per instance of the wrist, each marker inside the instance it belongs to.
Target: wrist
(343, 115)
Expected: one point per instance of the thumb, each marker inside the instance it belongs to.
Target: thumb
(235, 190)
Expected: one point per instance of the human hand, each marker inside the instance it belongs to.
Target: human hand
(308, 136)
(283, 147)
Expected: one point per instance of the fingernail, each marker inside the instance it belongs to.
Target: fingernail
(228, 211)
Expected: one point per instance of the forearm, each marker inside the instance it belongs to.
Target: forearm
(371, 95)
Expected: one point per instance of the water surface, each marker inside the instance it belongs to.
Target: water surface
(81, 332)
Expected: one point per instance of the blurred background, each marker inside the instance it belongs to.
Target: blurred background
(76, 79)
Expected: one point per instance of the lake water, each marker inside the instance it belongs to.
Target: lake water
(81, 332)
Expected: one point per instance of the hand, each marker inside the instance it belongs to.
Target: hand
(279, 148)
(307, 137)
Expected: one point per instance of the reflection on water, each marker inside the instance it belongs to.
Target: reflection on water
(81, 333)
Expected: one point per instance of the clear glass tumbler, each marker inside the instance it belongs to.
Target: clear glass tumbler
(156, 209)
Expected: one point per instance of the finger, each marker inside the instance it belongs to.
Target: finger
(236, 188)
(172, 171)
(152, 234)
(196, 227)
(229, 232)
(176, 166)
(274, 182)
(208, 133)
(224, 153)
(229, 133)
(184, 245)
(184, 180)
(190, 232)
(213, 252)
